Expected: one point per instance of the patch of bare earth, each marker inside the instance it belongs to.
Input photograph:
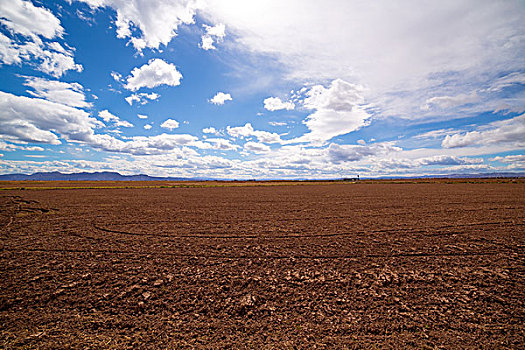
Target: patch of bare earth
(332, 266)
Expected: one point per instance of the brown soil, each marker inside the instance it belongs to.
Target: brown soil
(329, 266)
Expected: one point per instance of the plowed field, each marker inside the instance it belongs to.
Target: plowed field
(409, 265)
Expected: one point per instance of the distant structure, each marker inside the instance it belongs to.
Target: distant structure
(351, 179)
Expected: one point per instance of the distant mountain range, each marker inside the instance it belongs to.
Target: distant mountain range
(96, 176)
(114, 176)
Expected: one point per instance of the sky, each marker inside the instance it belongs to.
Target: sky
(262, 89)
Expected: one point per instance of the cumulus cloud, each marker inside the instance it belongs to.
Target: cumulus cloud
(338, 111)
(52, 63)
(36, 120)
(156, 72)
(213, 35)
(147, 126)
(222, 144)
(26, 19)
(352, 153)
(275, 104)
(447, 160)
(515, 162)
(4, 146)
(504, 131)
(69, 94)
(440, 164)
(157, 20)
(116, 121)
(9, 52)
(41, 121)
(210, 130)
(142, 98)
(142, 116)
(170, 124)
(29, 26)
(141, 145)
(220, 98)
(256, 147)
(247, 130)
(509, 159)
(36, 54)
(116, 76)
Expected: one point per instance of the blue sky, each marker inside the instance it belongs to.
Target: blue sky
(262, 89)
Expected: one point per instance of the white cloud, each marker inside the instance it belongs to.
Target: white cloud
(25, 119)
(34, 148)
(450, 101)
(508, 80)
(28, 26)
(397, 50)
(9, 52)
(338, 111)
(247, 131)
(36, 54)
(147, 126)
(116, 121)
(142, 116)
(256, 147)
(116, 76)
(213, 35)
(504, 131)
(26, 19)
(157, 20)
(156, 72)
(222, 144)
(210, 130)
(509, 159)
(447, 160)
(275, 104)
(441, 164)
(4, 146)
(142, 98)
(515, 162)
(37, 120)
(434, 134)
(277, 123)
(69, 94)
(220, 98)
(170, 124)
(142, 145)
(372, 44)
(352, 153)
(54, 63)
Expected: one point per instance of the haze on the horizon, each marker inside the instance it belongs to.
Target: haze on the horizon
(262, 89)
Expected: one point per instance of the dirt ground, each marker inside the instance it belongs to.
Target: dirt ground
(365, 265)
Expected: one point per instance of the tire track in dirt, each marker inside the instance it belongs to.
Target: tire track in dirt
(303, 218)
(248, 236)
(262, 257)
